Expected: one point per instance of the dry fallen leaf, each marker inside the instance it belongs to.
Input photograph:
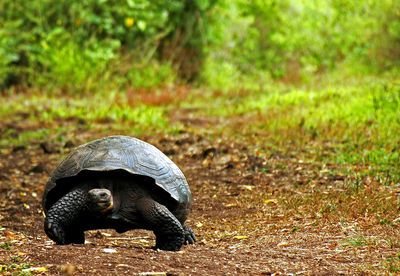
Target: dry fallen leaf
(271, 201)
(109, 250)
(240, 237)
(10, 235)
(283, 244)
(246, 187)
(38, 269)
(230, 205)
(332, 245)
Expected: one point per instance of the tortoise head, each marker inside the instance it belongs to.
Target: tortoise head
(99, 200)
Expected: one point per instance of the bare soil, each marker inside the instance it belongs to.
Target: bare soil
(239, 217)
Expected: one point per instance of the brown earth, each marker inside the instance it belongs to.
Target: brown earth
(239, 217)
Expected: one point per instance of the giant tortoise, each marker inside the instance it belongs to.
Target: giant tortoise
(121, 183)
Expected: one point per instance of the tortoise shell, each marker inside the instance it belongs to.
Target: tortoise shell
(123, 153)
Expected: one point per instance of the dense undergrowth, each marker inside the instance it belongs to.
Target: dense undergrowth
(87, 47)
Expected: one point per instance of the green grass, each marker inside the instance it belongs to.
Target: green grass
(346, 123)
(92, 109)
(6, 245)
(392, 263)
(354, 122)
(356, 241)
(375, 105)
(34, 118)
(14, 267)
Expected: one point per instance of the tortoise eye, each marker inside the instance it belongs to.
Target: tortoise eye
(103, 195)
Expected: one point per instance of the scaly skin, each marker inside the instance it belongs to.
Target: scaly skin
(61, 223)
(190, 237)
(65, 221)
(170, 235)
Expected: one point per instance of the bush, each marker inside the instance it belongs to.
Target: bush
(71, 43)
(291, 40)
(81, 45)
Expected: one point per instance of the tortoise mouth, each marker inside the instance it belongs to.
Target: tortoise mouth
(99, 200)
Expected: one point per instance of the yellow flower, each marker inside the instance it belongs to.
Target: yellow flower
(129, 21)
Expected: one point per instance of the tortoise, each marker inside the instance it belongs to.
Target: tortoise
(122, 183)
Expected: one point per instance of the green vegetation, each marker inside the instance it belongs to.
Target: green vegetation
(316, 75)
(6, 245)
(393, 263)
(92, 46)
(76, 46)
(348, 123)
(15, 267)
(356, 241)
(92, 113)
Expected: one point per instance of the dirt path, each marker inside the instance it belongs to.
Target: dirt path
(237, 216)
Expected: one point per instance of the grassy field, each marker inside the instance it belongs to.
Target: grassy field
(356, 122)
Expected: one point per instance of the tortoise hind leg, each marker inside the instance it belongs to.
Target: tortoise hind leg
(60, 223)
(170, 235)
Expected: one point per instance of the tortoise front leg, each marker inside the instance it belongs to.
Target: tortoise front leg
(190, 237)
(60, 223)
(170, 235)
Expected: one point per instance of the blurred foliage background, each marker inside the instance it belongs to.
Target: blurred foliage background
(102, 45)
